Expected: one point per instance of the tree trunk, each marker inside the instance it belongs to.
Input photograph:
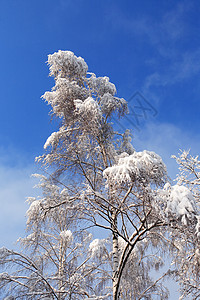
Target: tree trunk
(115, 258)
(60, 271)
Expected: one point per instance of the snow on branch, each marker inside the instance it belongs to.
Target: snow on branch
(54, 138)
(178, 202)
(181, 201)
(88, 110)
(66, 236)
(65, 63)
(75, 88)
(145, 166)
(97, 248)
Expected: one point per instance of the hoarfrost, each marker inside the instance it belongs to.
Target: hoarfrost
(181, 201)
(97, 248)
(33, 210)
(66, 236)
(4, 252)
(4, 276)
(88, 107)
(140, 166)
(178, 201)
(54, 138)
(66, 63)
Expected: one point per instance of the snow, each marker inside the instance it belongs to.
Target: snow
(64, 192)
(105, 91)
(109, 103)
(181, 201)
(4, 276)
(51, 139)
(142, 166)
(102, 84)
(34, 207)
(178, 201)
(54, 138)
(88, 108)
(121, 244)
(97, 247)
(4, 252)
(65, 62)
(125, 144)
(66, 236)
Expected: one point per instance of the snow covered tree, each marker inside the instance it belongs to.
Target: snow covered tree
(97, 180)
(56, 263)
(187, 238)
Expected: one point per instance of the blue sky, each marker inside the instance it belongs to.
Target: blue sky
(148, 46)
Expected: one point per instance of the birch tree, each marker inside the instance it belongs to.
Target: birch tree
(108, 186)
(187, 240)
(56, 263)
(116, 182)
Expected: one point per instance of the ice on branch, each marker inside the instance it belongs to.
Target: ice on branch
(179, 202)
(88, 109)
(97, 248)
(77, 92)
(66, 236)
(54, 138)
(76, 278)
(105, 90)
(110, 104)
(125, 143)
(33, 210)
(4, 276)
(145, 166)
(65, 63)
(4, 252)
(62, 96)
(102, 84)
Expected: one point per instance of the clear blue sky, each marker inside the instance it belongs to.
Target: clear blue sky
(148, 46)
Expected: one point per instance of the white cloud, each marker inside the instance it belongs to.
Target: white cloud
(16, 184)
(160, 32)
(184, 67)
(172, 59)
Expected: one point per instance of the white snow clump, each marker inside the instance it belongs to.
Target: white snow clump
(144, 166)
(97, 248)
(178, 202)
(66, 236)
